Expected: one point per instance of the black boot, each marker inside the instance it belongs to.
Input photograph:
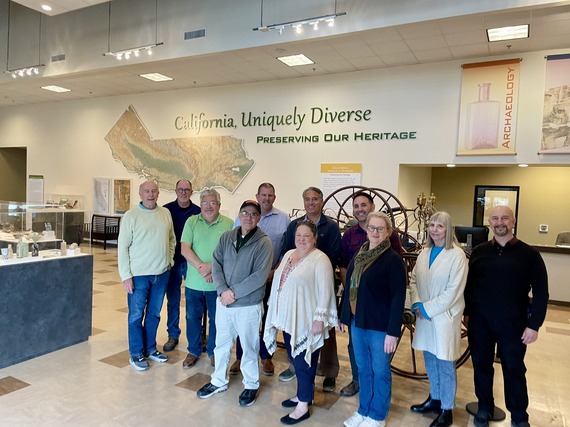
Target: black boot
(445, 419)
(429, 406)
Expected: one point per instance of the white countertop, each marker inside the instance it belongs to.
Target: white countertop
(43, 256)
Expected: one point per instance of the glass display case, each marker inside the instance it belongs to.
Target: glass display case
(54, 224)
(65, 201)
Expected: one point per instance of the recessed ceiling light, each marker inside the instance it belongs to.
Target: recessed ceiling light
(46, 7)
(508, 33)
(57, 89)
(156, 77)
(450, 165)
(523, 165)
(295, 60)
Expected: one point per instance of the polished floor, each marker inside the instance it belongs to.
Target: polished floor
(92, 384)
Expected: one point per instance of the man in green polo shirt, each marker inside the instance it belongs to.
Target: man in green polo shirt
(199, 239)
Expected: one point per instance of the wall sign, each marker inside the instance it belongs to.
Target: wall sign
(489, 97)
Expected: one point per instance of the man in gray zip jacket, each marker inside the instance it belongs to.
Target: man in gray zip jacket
(240, 265)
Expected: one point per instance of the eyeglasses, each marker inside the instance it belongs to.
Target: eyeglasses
(184, 190)
(249, 214)
(210, 203)
(372, 229)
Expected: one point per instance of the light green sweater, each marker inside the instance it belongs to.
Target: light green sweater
(146, 242)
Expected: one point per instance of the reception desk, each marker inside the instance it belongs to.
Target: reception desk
(45, 305)
(557, 262)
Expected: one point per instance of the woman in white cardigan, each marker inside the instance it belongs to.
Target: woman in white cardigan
(302, 305)
(437, 284)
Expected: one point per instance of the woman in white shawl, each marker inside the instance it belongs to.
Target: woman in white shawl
(302, 305)
(437, 284)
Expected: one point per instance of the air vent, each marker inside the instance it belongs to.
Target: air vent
(196, 34)
(57, 58)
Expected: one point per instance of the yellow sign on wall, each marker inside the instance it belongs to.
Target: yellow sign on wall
(341, 167)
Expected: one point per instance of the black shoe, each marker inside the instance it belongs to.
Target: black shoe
(350, 390)
(329, 385)
(520, 424)
(247, 397)
(481, 420)
(291, 421)
(291, 404)
(170, 344)
(429, 406)
(445, 419)
(209, 390)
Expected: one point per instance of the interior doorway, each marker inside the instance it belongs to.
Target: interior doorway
(13, 167)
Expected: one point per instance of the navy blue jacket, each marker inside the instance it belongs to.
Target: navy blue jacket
(179, 217)
(328, 239)
(381, 295)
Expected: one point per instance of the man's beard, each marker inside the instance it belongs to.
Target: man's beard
(501, 231)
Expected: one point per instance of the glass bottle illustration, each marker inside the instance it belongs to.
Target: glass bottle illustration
(482, 129)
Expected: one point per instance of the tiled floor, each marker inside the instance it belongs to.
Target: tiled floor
(92, 384)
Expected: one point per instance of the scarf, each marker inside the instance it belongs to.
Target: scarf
(362, 260)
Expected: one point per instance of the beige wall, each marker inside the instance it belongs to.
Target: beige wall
(13, 174)
(411, 182)
(544, 196)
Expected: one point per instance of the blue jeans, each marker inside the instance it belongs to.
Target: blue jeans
(173, 294)
(144, 305)
(442, 380)
(351, 358)
(374, 376)
(194, 314)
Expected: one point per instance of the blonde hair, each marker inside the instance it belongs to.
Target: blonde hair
(383, 216)
(443, 218)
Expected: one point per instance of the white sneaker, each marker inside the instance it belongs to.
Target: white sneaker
(369, 422)
(355, 420)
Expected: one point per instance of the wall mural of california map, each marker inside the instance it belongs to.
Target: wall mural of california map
(207, 161)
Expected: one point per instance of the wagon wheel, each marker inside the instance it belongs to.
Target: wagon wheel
(338, 205)
(399, 211)
(409, 245)
(405, 361)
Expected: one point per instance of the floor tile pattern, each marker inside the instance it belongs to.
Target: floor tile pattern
(92, 384)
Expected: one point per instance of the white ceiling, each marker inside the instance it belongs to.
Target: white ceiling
(461, 38)
(58, 6)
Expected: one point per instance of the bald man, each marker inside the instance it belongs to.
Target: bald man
(146, 253)
(502, 273)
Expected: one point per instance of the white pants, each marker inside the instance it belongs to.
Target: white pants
(232, 322)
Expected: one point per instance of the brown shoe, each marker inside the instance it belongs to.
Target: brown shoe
(267, 367)
(190, 361)
(235, 368)
(350, 389)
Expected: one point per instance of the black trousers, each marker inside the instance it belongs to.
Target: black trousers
(484, 332)
(305, 373)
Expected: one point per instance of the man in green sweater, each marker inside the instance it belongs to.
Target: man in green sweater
(146, 250)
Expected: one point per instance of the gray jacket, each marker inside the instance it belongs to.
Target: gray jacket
(244, 272)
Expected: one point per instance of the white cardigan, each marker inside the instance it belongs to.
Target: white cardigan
(440, 288)
(306, 295)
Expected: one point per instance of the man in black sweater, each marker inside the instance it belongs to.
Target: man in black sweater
(502, 272)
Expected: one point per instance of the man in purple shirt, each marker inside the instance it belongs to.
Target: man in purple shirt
(352, 240)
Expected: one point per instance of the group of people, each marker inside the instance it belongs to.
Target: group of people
(264, 275)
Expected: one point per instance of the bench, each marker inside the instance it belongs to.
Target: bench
(104, 227)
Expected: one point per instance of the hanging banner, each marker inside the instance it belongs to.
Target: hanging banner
(555, 120)
(489, 98)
